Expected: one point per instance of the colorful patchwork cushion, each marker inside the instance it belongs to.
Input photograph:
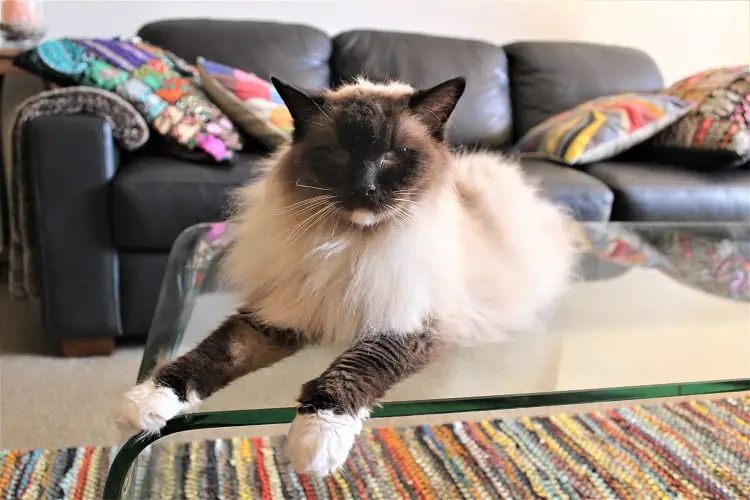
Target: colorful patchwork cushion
(714, 264)
(160, 85)
(616, 243)
(717, 264)
(721, 120)
(251, 102)
(601, 128)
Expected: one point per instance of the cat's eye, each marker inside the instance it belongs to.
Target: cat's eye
(395, 154)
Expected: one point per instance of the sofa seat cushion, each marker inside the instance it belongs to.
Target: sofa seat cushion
(587, 198)
(154, 198)
(660, 193)
(483, 113)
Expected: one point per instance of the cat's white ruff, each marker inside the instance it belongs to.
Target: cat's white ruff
(483, 253)
(319, 443)
(147, 407)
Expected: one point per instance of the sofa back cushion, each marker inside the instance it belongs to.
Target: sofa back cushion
(295, 53)
(483, 114)
(548, 78)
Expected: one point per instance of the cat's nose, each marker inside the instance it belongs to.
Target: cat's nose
(364, 183)
(365, 190)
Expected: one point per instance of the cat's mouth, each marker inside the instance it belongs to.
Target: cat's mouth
(369, 213)
(364, 218)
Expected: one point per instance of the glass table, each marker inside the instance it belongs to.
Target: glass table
(659, 310)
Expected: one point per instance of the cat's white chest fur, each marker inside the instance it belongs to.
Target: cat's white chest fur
(335, 287)
(386, 287)
(483, 258)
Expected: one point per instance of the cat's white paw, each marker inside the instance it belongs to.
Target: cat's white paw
(319, 443)
(147, 407)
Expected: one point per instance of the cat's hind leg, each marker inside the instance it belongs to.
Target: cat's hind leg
(333, 406)
(240, 345)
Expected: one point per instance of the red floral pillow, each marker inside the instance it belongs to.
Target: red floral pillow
(720, 122)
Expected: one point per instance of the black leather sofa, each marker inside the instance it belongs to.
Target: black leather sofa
(106, 220)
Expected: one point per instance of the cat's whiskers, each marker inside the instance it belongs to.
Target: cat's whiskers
(308, 200)
(337, 213)
(319, 188)
(325, 217)
(317, 209)
(412, 190)
(404, 200)
(409, 192)
(303, 227)
(304, 205)
(305, 212)
(306, 208)
(408, 213)
(399, 213)
(333, 213)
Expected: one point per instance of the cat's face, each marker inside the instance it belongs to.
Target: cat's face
(369, 151)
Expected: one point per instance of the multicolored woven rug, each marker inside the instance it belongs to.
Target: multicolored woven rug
(685, 450)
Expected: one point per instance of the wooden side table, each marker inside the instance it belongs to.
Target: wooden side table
(6, 62)
(6, 68)
(16, 85)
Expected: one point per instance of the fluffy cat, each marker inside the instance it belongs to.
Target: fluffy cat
(368, 231)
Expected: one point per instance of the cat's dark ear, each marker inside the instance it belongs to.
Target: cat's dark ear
(434, 106)
(303, 105)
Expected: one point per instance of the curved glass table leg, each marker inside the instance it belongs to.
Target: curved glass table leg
(192, 269)
(193, 266)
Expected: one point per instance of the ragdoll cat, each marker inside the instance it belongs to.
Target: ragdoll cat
(368, 231)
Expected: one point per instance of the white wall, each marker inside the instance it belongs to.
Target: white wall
(682, 35)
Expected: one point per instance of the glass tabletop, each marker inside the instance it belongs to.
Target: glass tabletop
(655, 304)
(659, 309)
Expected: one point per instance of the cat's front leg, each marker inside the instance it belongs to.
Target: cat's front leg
(333, 407)
(240, 345)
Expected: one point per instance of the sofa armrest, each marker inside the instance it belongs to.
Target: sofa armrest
(71, 161)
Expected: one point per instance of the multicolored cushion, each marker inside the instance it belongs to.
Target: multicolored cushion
(160, 85)
(601, 128)
(717, 264)
(721, 120)
(251, 102)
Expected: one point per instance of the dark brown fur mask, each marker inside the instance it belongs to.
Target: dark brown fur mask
(372, 149)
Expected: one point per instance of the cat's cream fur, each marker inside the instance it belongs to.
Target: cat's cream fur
(483, 253)
(480, 253)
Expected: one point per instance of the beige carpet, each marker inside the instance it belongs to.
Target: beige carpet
(49, 401)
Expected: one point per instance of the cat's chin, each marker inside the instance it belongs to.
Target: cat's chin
(364, 218)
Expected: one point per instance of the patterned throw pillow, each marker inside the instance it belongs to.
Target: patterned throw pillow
(251, 102)
(721, 120)
(160, 85)
(601, 128)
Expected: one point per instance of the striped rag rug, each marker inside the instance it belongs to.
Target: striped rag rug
(697, 449)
